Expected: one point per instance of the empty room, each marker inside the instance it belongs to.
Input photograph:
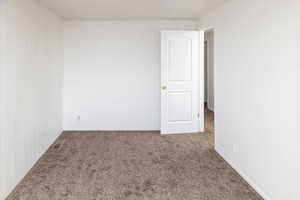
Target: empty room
(149, 100)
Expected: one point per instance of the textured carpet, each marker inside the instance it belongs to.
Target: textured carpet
(124, 165)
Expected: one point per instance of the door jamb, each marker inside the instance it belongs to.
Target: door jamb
(201, 81)
(202, 40)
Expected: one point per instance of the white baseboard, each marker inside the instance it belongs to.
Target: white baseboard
(246, 178)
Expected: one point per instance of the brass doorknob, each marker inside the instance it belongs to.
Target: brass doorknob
(163, 87)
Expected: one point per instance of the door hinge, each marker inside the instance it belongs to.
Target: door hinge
(198, 115)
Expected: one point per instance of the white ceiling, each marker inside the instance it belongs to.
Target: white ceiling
(131, 9)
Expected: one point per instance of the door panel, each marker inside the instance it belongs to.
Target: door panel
(180, 59)
(180, 97)
(179, 106)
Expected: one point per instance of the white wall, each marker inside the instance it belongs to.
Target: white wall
(112, 74)
(2, 81)
(33, 88)
(257, 92)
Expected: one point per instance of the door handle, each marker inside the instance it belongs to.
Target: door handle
(163, 87)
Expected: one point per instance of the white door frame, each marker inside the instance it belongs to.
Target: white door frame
(201, 81)
(202, 31)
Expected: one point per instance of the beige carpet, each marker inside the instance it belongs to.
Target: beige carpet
(125, 165)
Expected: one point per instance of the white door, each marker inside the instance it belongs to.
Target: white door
(180, 82)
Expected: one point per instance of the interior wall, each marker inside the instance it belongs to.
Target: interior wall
(209, 37)
(2, 81)
(32, 90)
(112, 73)
(257, 100)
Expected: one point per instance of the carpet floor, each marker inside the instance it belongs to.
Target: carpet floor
(133, 166)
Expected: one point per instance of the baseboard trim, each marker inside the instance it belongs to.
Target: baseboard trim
(130, 131)
(246, 178)
(34, 165)
(112, 131)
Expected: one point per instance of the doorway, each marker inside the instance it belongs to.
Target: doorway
(180, 99)
(209, 36)
(186, 106)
